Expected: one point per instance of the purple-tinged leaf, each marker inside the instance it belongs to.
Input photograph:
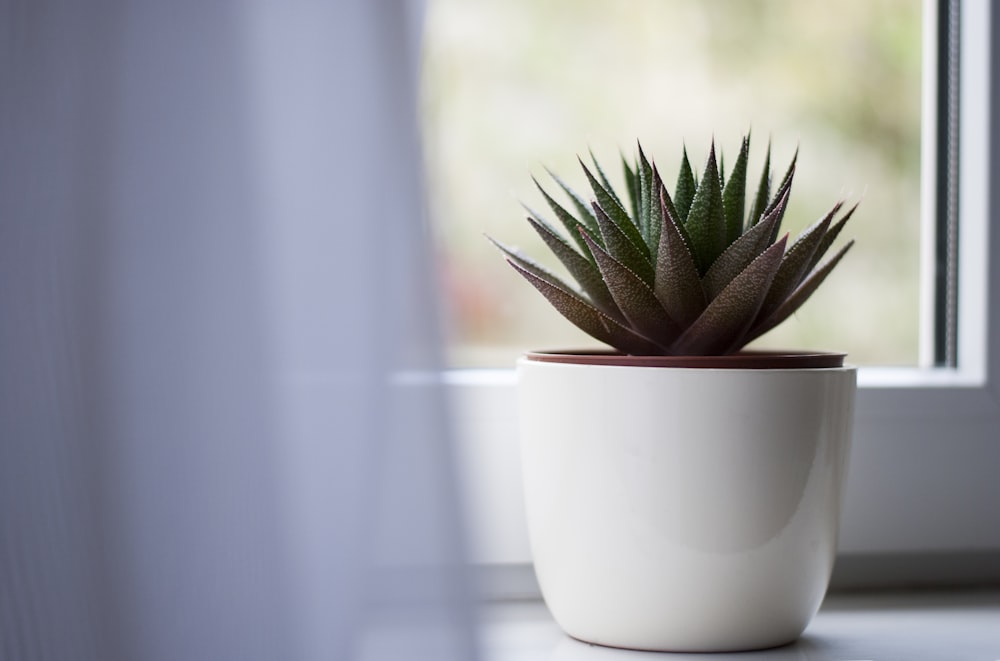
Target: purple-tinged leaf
(786, 181)
(527, 264)
(678, 287)
(831, 236)
(582, 269)
(795, 264)
(743, 251)
(797, 297)
(784, 187)
(635, 299)
(726, 319)
(588, 318)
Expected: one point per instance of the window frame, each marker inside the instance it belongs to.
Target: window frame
(926, 439)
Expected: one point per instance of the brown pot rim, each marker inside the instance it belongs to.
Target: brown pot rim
(747, 359)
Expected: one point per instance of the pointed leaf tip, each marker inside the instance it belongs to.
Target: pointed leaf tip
(797, 297)
(706, 222)
(734, 194)
(685, 188)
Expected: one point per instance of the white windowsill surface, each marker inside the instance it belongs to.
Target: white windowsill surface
(878, 626)
(868, 377)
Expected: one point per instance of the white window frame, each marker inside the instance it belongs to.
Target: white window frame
(923, 474)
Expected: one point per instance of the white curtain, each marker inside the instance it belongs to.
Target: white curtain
(220, 432)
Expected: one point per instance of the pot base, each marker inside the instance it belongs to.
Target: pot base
(688, 650)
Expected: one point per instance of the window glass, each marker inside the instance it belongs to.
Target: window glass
(511, 87)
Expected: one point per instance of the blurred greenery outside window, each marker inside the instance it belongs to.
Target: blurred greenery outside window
(510, 87)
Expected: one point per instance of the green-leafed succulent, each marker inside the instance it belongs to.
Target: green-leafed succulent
(688, 274)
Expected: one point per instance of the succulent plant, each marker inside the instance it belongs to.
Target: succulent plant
(688, 274)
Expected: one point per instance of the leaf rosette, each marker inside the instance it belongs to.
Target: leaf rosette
(693, 273)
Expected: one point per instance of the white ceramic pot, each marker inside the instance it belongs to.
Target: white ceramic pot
(684, 509)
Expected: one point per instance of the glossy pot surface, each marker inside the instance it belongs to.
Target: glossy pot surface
(684, 509)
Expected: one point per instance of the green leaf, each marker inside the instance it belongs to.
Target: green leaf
(763, 191)
(572, 230)
(721, 327)
(660, 197)
(678, 287)
(646, 202)
(582, 208)
(604, 180)
(795, 264)
(706, 222)
(799, 296)
(734, 194)
(635, 299)
(685, 188)
(613, 210)
(741, 252)
(668, 204)
(622, 247)
(586, 317)
(568, 220)
(632, 183)
(582, 269)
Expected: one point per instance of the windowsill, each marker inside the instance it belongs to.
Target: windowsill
(868, 377)
(957, 625)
